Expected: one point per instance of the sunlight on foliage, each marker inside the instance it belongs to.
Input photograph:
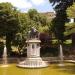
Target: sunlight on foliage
(71, 11)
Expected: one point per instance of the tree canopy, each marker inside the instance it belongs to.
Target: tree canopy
(8, 23)
(8, 18)
(58, 23)
(70, 27)
(71, 11)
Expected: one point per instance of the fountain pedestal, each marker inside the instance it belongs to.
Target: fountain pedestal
(33, 59)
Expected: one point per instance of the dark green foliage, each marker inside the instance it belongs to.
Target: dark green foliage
(49, 51)
(32, 13)
(71, 11)
(8, 23)
(61, 17)
(69, 29)
(1, 48)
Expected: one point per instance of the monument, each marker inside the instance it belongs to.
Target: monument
(33, 59)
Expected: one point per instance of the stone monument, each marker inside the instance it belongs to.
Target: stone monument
(33, 59)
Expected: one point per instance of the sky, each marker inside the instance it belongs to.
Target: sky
(25, 5)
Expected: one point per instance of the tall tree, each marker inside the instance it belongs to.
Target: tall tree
(58, 23)
(8, 23)
(70, 27)
(61, 17)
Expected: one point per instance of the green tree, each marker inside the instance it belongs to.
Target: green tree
(61, 17)
(70, 27)
(58, 23)
(8, 23)
(33, 14)
(71, 11)
(36, 19)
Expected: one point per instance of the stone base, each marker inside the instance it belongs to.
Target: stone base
(33, 63)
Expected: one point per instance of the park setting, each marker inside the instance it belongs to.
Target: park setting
(37, 37)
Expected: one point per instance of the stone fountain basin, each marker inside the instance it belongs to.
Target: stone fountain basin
(33, 63)
(52, 69)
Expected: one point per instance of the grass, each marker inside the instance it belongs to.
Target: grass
(53, 69)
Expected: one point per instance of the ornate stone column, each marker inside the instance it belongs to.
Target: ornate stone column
(33, 59)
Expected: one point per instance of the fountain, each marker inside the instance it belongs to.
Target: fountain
(33, 59)
(5, 64)
(61, 56)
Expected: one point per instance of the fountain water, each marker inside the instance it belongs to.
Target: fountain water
(61, 56)
(5, 64)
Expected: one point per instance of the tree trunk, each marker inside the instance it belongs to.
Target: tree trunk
(73, 41)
